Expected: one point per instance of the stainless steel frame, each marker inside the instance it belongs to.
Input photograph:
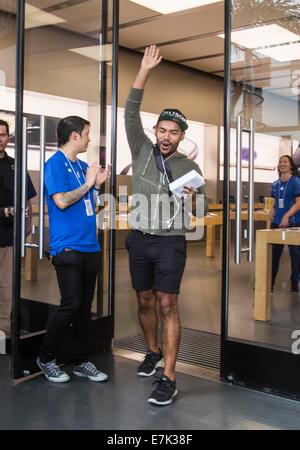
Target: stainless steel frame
(42, 187)
(249, 232)
(24, 188)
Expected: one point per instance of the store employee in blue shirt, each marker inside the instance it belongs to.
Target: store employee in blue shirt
(286, 213)
(70, 187)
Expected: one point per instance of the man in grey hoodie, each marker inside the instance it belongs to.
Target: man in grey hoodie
(156, 244)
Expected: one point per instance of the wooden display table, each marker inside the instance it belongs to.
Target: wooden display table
(219, 206)
(214, 219)
(263, 263)
(210, 222)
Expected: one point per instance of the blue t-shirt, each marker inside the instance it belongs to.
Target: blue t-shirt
(287, 192)
(69, 228)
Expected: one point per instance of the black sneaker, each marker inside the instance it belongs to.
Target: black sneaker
(164, 392)
(151, 362)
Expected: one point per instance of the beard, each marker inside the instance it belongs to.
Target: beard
(166, 148)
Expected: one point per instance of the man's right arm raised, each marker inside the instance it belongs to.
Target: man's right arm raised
(134, 129)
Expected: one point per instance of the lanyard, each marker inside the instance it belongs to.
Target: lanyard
(281, 188)
(76, 175)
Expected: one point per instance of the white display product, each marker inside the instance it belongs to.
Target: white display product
(192, 179)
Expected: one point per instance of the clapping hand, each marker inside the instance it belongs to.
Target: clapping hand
(102, 175)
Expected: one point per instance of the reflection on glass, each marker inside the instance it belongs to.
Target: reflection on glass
(61, 79)
(265, 87)
(7, 93)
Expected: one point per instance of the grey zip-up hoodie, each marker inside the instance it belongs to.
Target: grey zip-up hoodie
(148, 181)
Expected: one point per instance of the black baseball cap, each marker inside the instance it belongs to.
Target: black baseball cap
(175, 115)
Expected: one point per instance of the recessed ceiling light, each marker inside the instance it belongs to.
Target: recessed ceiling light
(171, 6)
(103, 53)
(262, 36)
(282, 53)
(35, 17)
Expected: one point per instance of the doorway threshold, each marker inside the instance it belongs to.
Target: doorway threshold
(189, 369)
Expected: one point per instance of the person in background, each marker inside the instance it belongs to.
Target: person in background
(70, 189)
(7, 181)
(286, 213)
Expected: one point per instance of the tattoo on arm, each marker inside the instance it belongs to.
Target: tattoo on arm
(69, 198)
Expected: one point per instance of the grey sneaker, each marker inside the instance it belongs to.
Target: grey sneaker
(88, 370)
(52, 372)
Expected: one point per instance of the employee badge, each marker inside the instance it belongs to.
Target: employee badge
(88, 207)
(281, 203)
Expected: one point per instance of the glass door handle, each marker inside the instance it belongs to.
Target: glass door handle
(251, 192)
(42, 187)
(238, 209)
(238, 192)
(25, 244)
(24, 189)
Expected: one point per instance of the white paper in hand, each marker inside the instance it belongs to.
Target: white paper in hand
(191, 179)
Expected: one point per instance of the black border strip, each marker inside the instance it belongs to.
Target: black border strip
(114, 124)
(18, 182)
(226, 221)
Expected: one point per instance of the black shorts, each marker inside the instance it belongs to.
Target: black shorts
(156, 262)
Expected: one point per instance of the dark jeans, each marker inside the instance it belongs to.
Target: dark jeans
(76, 274)
(277, 250)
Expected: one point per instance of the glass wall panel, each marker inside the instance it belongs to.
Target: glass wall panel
(190, 79)
(64, 64)
(7, 95)
(265, 126)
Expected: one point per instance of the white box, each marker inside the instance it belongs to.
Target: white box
(191, 179)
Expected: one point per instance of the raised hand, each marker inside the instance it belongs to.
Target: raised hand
(151, 58)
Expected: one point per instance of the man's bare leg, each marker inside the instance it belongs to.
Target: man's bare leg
(170, 330)
(147, 314)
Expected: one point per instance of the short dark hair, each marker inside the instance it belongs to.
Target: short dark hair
(294, 169)
(66, 127)
(3, 123)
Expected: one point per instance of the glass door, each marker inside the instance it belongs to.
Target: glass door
(262, 125)
(67, 70)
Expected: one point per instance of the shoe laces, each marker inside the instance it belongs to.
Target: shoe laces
(53, 369)
(149, 358)
(88, 366)
(164, 384)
